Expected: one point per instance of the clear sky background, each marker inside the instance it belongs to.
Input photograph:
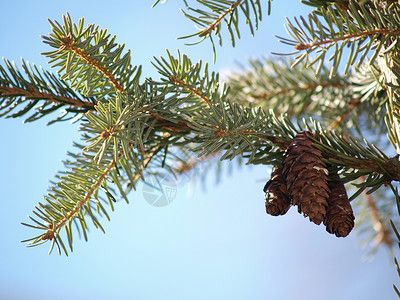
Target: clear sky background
(209, 243)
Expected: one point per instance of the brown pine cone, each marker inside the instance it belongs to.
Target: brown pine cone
(277, 201)
(339, 218)
(306, 177)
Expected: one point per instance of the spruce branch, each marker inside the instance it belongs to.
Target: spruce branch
(90, 60)
(227, 126)
(69, 45)
(365, 28)
(350, 162)
(215, 11)
(40, 91)
(192, 80)
(354, 101)
(31, 94)
(49, 235)
(291, 90)
(213, 25)
(70, 200)
(76, 194)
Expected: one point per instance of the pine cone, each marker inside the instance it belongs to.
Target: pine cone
(306, 177)
(339, 218)
(277, 201)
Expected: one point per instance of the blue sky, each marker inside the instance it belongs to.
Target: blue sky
(209, 243)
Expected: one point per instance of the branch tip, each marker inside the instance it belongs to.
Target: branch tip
(69, 45)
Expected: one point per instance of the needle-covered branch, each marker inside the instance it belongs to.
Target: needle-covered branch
(211, 15)
(39, 91)
(362, 28)
(344, 103)
(90, 60)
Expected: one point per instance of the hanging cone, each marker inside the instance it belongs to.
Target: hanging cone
(277, 201)
(339, 218)
(306, 177)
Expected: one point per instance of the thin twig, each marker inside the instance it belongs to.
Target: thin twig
(212, 26)
(346, 37)
(6, 91)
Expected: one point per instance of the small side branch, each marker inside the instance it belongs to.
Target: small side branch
(6, 91)
(214, 24)
(346, 37)
(296, 90)
(78, 207)
(69, 44)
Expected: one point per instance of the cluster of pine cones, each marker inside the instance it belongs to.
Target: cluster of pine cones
(303, 180)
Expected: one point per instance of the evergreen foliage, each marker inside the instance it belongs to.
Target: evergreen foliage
(132, 127)
(210, 17)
